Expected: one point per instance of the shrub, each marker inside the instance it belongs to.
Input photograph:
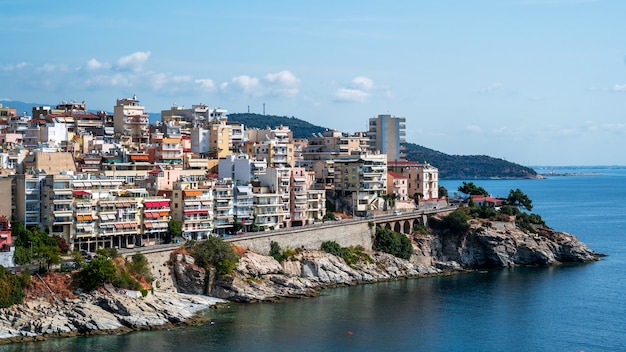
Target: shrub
(393, 243)
(419, 228)
(275, 251)
(124, 280)
(216, 253)
(108, 252)
(94, 274)
(11, 291)
(351, 255)
(139, 266)
(456, 221)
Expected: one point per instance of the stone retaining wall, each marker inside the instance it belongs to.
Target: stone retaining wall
(346, 233)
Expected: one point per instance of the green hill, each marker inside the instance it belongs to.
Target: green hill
(450, 166)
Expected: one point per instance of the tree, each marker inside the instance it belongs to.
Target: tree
(390, 200)
(393, 243)
(216, 253)
(456, 221)
(443, 192)
(49, 255)
(96, 273)
(174, 229)
(471, 189)
(517, 198)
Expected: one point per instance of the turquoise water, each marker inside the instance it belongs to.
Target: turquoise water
(564, 308)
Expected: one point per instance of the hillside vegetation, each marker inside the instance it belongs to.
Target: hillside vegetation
(450, 166)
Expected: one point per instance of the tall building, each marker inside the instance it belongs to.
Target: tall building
(386, 135)
(131, 120)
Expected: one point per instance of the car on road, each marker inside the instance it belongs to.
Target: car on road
(397, 213)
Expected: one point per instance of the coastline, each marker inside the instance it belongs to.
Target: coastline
(101, 313)
(260, 277)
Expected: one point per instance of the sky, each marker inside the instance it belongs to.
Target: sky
(535, 82)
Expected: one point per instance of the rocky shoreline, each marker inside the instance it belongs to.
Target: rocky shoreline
(487, 245)
(100, 312)
(262, 278)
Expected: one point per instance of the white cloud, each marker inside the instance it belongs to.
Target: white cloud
(164, 80)
(50, 68)
(16, 67)
(94, 64)
(133, 61)
(361, 83)
(282, 83)
(619, 88)
(357, 91)
(206, 83)
(247, 84)
(345, 95)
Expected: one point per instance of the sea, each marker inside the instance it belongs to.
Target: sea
(569, 307)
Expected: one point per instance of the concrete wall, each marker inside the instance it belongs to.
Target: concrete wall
(345, 233)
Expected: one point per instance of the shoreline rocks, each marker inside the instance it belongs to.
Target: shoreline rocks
(261, 278)
(100, 313)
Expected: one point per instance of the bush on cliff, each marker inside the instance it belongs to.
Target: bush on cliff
(96, 273)
(456, 221)
(351, 255)
(215, 253)
(393, 243)
(11, 285)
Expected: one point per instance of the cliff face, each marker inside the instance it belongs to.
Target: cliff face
(502, 244)
(487, 245)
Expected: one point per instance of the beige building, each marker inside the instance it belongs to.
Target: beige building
(422, 179)
(364, 177)
(130, 120)
(273, 145)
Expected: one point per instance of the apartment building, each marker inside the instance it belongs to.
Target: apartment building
(364, 178)
(386, 135)
(131, 121)
(422, 179)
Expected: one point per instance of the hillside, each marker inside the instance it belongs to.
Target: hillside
(450, 166)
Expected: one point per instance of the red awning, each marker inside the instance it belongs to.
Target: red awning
(194, 212)
(80, 193)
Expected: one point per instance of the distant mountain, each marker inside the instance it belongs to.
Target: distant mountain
(300, 128)
(450, 166)
(21, 106)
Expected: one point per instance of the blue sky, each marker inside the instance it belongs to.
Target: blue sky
(537, 82)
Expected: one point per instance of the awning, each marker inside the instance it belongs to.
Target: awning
(119, 226)
(164, 213)
(80, 218)
(192, 193)
(87, 217)
(139, 158)
(147, 225)
(80, 193)
(196, 212)
(63, 192)
(156, 203)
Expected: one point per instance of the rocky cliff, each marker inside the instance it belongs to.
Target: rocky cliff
(486, 245)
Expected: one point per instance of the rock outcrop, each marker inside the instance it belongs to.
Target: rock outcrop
(99, 313)
(502, 244)
(486, 245)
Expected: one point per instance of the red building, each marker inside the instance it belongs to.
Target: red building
(5, 234)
